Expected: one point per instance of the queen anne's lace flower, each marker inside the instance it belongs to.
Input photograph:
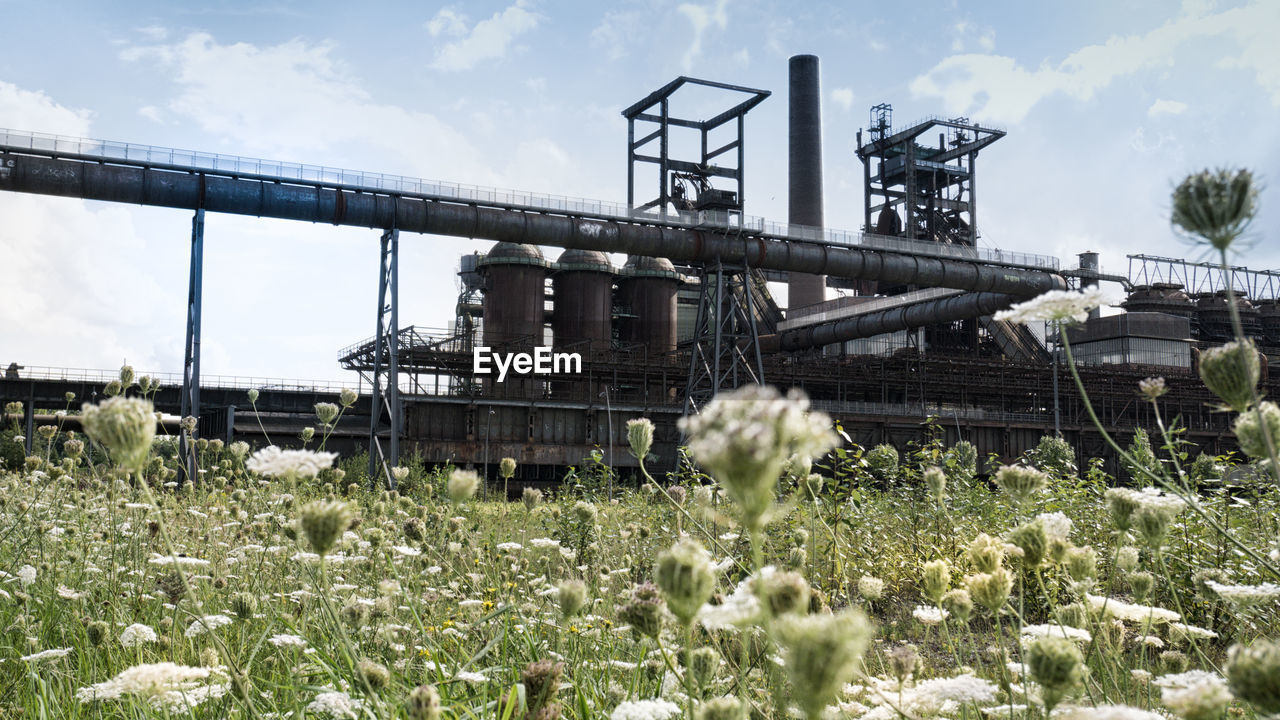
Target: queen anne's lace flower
(137, 634)
(645, 710)
(1132, 613)
(1245, 594)
(164, 685)
(274, 462)
(46, 655)
(336, 705)
(1055, 306)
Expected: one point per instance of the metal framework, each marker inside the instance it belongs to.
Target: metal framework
(191, 359)
(687, 183)
(928, 192)
(385, 378)
(1203, 277)
(725, 352)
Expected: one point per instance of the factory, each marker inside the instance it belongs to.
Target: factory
(651, 307)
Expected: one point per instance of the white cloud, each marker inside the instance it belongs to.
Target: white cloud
(702, 18)
(1166, 107)
(616, 31)
(1000, 88)
(448, 22)
(843, 97)
(742, 57)
(488, 40)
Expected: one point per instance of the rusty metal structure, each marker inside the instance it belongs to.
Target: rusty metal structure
(689, 311)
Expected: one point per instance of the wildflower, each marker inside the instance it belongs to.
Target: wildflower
(1132, 613)
(335, 704)
(928, 615)
(1020, 482)
(937, 579)
(273, 462)
(323, 522)
(1127, 558)
(26, 575)
(721, 708)
(1258, 430)
(1032, 540)
(1055, 306)
(1152, 388)
(137, 634)
(782, 591)
(1231, 372)
(97, 632)
(462, 485)
(1245, 595)
(1215, 206)
(1082, 564)
(1031, 632)
(46, 655)
(986, 553)
(372, 674)
(644, 612)
(656, 709)
(1105, 712)
(423, 703)
(936, 481)
(640, 437)
(743, 437)
(541, 681)
(822, 652)
(1253, 673)
(531, 497)
(990, 590)
(326, 413)
(124, 426)
(307, 434)
(1141, 582)
(571, 597)
(870, 588)
(206, 623)
(286, 640)
(507, 468)
(1181, 632)
(1057, 665)
(958, 603)
(740, 608)
(1194, 695)
(163, 684)
(239, 449)
(686, 579)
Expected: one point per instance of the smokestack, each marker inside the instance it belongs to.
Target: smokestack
(1089, 261)
(804, 170)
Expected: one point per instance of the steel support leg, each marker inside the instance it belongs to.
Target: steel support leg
(191, 361)
(386, 362)
(29, 420)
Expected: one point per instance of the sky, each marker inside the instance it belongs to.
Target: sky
(1107, 105)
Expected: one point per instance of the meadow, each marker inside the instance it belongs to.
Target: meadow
(782, 572)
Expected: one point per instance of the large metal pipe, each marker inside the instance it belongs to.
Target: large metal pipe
(804, 170)
(877, 322)
(140, 185)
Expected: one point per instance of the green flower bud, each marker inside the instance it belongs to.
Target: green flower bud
(640, 436)
(644, 612)
(903, 660)
(347, 397)
(373, 674)
(531, 497)
(721, 708)
(1215, 206)
(936, 481)
(1253, 674)
(1033, 542)
(1082, 563)
(462, 485)
(1021, 483)
(937, 579)
(783, 591)
(124, 426)
(571, 596)
(1057, 665)
(1231, 372)
(423, 703)
(507, 468)
(323, 522)
(97, 632)
(986, 553)
(244, 605)
(686, 578)
(959, 603)
(1075, 615)
(326, 413)
(253, 397)
(990, 590)
(704, 663)
(1141, 582)
(822, 654)
(1258, 430)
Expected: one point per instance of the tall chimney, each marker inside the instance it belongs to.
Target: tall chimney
(804, 170)
(1089, 262)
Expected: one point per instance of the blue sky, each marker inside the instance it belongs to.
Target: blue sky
(1106, 104)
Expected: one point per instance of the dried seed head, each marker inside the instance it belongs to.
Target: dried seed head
(124, 426)
(822, 654)
(323, 522)
(507, 468)
(1231, 372)
(640, 437)
(1216, 206)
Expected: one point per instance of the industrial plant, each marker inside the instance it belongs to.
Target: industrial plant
(889, 329)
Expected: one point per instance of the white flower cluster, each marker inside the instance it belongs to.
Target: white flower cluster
(336, 705)
(165, 685)
(645, 710)
(1056, 525)
(1031, 632)
(929, 615)
(274, 462)
(1153, 498)
(943, 695)
(206, 623)
(46, 655)
(1056, 306)
(1244, 595)
(1131, 612)
(739, 609)
(1195, 693)
(285, 640)
(137, 634)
